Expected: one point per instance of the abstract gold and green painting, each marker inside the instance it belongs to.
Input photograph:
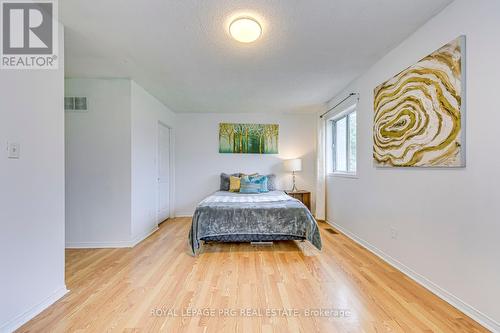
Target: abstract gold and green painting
(418, 120)
(248, 138)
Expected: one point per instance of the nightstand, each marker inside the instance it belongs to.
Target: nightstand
(304, 196)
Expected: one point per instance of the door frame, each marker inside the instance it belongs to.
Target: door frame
(171, 173)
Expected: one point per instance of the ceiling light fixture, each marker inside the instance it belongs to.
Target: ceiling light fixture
(245, 30)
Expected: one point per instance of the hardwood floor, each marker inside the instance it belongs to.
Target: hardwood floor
(148, 289)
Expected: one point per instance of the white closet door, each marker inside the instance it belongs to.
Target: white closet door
(163, 173)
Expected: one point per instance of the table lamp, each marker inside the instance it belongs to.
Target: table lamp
(293, 166)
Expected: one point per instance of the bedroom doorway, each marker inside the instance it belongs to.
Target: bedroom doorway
(163, 173)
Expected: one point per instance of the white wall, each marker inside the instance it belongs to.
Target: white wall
(98, 183)
(31, 192)
(199, 163)
(448, 220)
(111, 189)
(147, 111)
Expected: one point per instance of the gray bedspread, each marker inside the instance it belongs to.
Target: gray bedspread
(273, 214)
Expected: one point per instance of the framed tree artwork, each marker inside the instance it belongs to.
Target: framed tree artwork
(248, 138)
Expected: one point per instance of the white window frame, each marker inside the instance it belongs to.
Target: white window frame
(331, 143)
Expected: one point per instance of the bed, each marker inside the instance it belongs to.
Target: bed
(235, 217)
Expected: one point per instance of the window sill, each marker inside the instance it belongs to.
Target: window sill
(343, 175)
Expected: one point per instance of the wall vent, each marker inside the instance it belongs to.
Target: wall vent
(75, 104)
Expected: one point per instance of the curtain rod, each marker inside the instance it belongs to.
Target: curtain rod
(342, 101)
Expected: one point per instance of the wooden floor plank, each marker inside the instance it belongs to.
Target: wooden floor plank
(126, 290)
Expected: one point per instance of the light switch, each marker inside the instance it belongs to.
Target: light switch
(14, 150)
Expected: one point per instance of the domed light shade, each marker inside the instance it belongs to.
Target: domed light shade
(245, 30)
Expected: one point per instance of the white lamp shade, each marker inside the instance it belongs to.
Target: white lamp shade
(293, 165)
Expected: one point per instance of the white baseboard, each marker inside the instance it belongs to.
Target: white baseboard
(469, 310)
(184, 215)
(97, 245)
(111, 245)
(142, 237)
(21, 319)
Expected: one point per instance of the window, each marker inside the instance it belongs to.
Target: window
(343, 143)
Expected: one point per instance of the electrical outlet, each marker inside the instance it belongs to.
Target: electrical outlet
(394, 233)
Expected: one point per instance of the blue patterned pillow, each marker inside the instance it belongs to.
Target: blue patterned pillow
(262, 181)
(249, 187)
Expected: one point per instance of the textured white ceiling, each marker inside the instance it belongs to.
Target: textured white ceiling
(180, 50)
